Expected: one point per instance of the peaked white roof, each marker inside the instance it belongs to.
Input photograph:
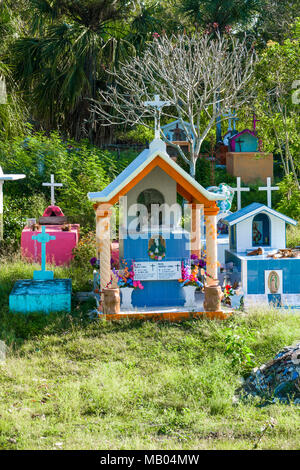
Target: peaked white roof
(157, 148)
(253, 209)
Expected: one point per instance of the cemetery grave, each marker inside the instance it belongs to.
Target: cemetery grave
(153, 300)
(44, 293)
(66, 235)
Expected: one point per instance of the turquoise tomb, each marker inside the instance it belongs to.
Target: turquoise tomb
(43, 293)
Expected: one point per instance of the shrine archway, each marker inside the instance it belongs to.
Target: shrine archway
(261, 230)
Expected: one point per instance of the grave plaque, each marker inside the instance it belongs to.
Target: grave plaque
(145, 271)
(169, 270)
(157, 271)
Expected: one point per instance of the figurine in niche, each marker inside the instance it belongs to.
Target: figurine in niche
(148, 198)
(257, 236)
(157, 248)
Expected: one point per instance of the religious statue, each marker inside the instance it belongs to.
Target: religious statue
(157, 248)
(273, 282)
(257, 236)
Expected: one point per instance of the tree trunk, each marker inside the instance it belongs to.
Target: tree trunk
(193, 167)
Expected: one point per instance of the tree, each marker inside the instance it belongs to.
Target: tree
(202, 77)
(224, 13)
(275, 19)
(62, 63)
(278, 101)
(12, 109)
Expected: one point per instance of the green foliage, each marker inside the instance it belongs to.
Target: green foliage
(85, 250)
(290, 198)
(80, 167)
(138, 135)
(16, 211)
(275, 21)
(275, 81)
(64, 58)
(223, 13)
(293, 236)
(237, 347)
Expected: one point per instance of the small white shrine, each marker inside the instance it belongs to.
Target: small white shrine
(268, 272)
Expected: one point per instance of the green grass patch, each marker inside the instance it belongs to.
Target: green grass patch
(71, 383)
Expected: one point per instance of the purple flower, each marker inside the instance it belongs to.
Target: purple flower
(93, 261)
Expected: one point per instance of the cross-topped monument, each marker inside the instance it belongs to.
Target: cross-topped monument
(239, 191)
(157, 104)
(269, 188)
(4, 178)
(43, 238)
(52, 186)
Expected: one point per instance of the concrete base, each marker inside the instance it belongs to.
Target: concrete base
(41, 296)
(286, 301)
(167, 314)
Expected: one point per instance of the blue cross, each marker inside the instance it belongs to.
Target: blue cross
(43, 238)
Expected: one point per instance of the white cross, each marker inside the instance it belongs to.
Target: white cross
(4, 178)
(231, 117)
(157, 105)
(52, 186)
(239, 191)
(269, 188)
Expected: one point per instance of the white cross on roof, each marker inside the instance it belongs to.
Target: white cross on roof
(157, 104)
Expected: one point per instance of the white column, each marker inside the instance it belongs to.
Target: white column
(103, 244)
(211, 246)
(196, 229)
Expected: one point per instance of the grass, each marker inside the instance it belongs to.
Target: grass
(293, 236)
(69, 383)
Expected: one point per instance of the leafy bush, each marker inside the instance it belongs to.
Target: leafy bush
(85, 250)
(293, 236)
(81, 168)
(289, 198)
(237, 343)
(138, 135)
(16, 211)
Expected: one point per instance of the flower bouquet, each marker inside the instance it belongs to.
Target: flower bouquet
(126, 278)
(127, 284)
(227, 293)
(189, 276)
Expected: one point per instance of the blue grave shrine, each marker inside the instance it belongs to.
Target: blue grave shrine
(43, 293)
(150, 233)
